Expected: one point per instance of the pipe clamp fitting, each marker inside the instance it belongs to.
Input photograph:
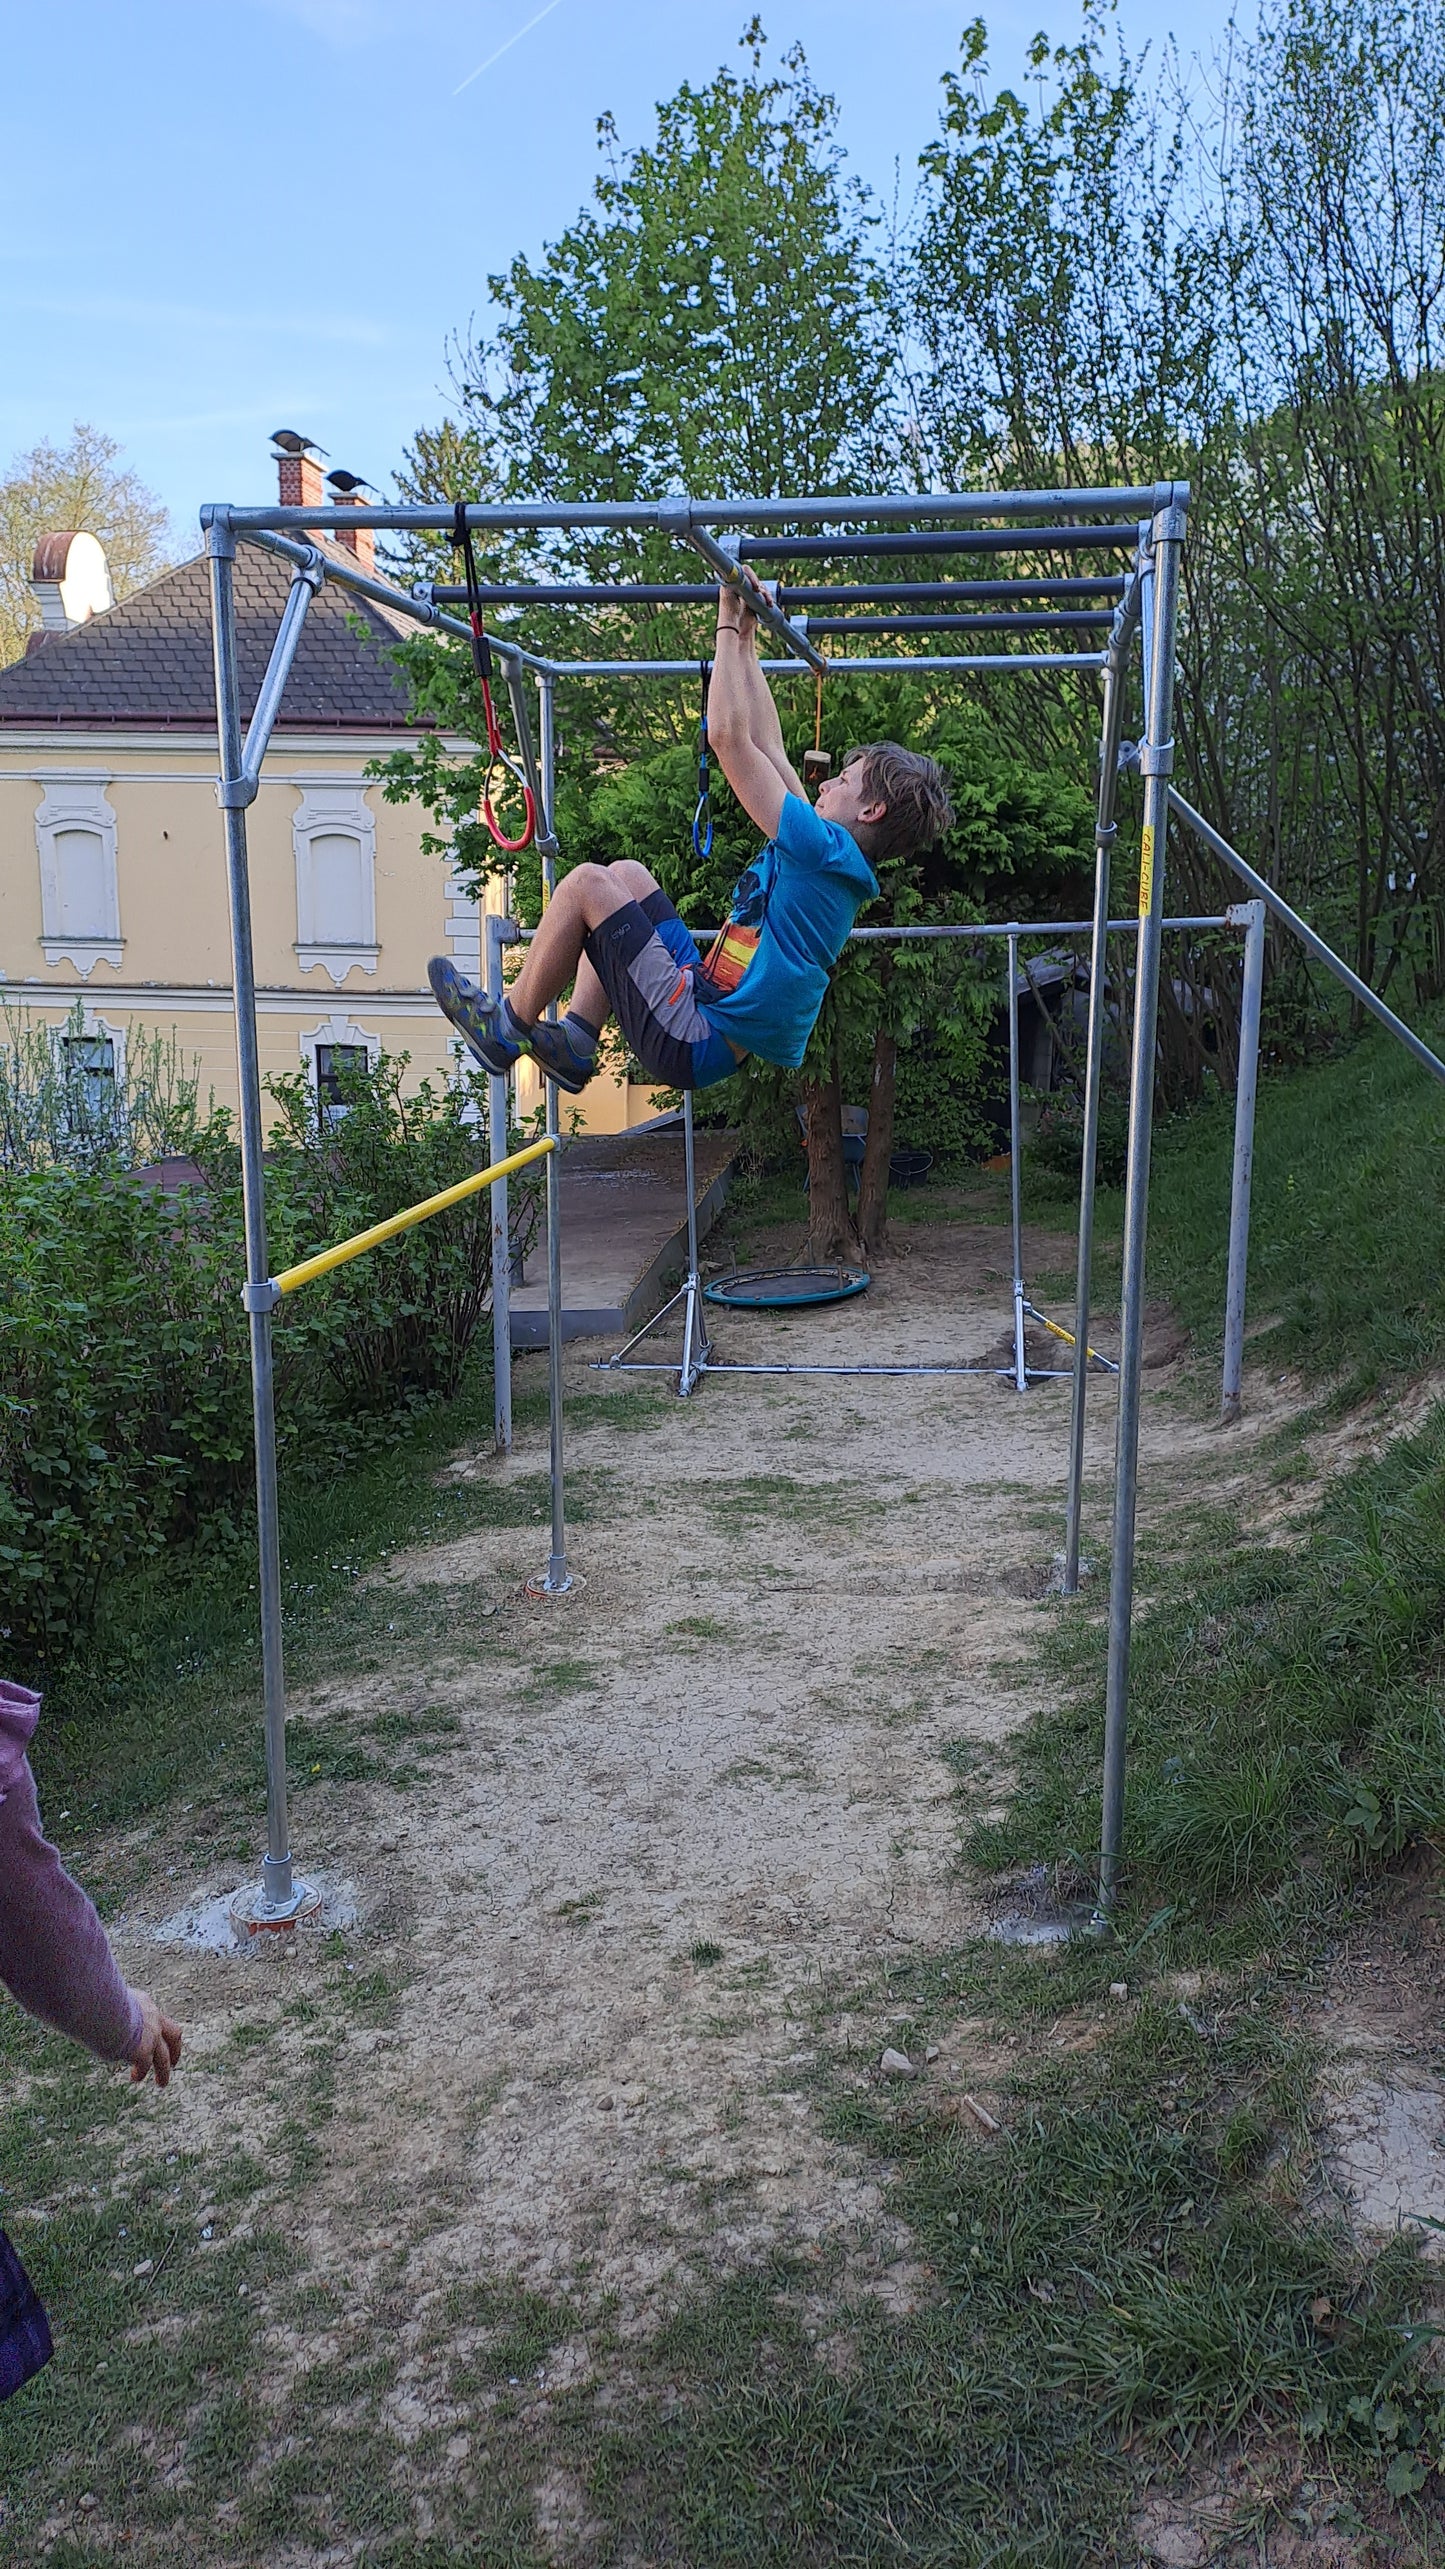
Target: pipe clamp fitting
(1156, 758)
(236, 793)
(261, 1297)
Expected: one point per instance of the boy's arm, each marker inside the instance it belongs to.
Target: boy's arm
(763, 722)
(742, 720)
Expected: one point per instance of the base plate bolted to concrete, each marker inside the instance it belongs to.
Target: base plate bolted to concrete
(258, 1916)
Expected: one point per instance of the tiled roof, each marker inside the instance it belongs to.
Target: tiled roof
(148, 662)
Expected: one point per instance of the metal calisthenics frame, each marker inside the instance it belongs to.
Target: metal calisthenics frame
(1140, 594)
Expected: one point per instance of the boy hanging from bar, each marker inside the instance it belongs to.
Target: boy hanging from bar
(611, 933)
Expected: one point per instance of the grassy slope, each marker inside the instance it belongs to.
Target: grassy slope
(1347, 1232)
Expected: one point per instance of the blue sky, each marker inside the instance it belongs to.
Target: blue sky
(227, 216)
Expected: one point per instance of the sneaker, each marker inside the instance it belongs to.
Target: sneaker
(557, 1057)
(474, 1016)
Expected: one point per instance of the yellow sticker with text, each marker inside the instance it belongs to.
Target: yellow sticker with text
(1146, 872)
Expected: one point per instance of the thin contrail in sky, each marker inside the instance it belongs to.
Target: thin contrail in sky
(504, 49)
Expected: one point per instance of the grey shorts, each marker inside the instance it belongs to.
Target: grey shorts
(647, 961)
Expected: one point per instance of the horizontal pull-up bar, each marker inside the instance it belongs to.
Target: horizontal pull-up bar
(889, 508)
(1233, 918)
(1071, 621)
(993, 539)
(308, 1269)
(1312, 943)
(921, 665)
(1044, 927)
(691, 593)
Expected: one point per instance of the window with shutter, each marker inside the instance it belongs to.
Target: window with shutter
(339, 909)
(333, 833)
(79, 888)
(82, 888)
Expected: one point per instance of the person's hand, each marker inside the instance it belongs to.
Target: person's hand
(736, 612)
(159, 2048)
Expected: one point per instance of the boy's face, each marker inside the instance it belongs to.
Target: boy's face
(845, 797)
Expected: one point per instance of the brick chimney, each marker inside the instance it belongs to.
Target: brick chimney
(298, 466)
(359, 541)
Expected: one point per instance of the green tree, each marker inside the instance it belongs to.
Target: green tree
(1065, 281)
(76, 489)
(716, 320)
(1331, 173)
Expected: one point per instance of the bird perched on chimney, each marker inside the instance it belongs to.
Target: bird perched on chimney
(292, 443)
(346, 483)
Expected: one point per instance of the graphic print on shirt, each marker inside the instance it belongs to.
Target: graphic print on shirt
(736, 943)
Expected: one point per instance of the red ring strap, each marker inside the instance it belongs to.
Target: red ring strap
(482, 655)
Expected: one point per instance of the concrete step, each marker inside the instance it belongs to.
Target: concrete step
(624, 1228)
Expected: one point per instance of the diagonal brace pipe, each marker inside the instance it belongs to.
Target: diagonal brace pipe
(1312, 943)
(237, 792)
(674, 516)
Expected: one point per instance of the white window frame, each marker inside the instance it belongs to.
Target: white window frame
(91, 1029)
(337, 1029)
(76, 799)
(334, 811)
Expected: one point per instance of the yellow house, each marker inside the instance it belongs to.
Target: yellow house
(112, 871)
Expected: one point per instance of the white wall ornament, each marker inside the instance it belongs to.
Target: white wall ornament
(79, 883)
(333, 833)
(339, 1029)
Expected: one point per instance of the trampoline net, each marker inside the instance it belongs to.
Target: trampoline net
(784, 1288)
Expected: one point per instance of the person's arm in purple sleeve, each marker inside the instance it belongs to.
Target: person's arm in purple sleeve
(54, 1954)
(55, 1958)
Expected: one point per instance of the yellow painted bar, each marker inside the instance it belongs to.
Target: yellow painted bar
(325, 1259)
(1069, 1339)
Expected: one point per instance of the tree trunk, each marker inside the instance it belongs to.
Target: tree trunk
(829, 1233)
(878, 1149)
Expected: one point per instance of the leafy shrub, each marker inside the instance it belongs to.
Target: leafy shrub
(394, 1328)
(125, 1403)
(1058, 1142)
(55, 1113)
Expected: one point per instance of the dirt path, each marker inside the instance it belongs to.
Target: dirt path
(735, 1764)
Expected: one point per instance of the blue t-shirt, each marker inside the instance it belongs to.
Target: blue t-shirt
(803, 895)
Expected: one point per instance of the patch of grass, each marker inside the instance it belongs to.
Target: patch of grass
(173, 1681)
(1103, 2291)
(627, 1411)
(705, 1953)
(767, 1495)
(1347, 1215)
(581, 1911)
(1287, 1717)
(520, 2331)
(564, 1677)
(327, 1753)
